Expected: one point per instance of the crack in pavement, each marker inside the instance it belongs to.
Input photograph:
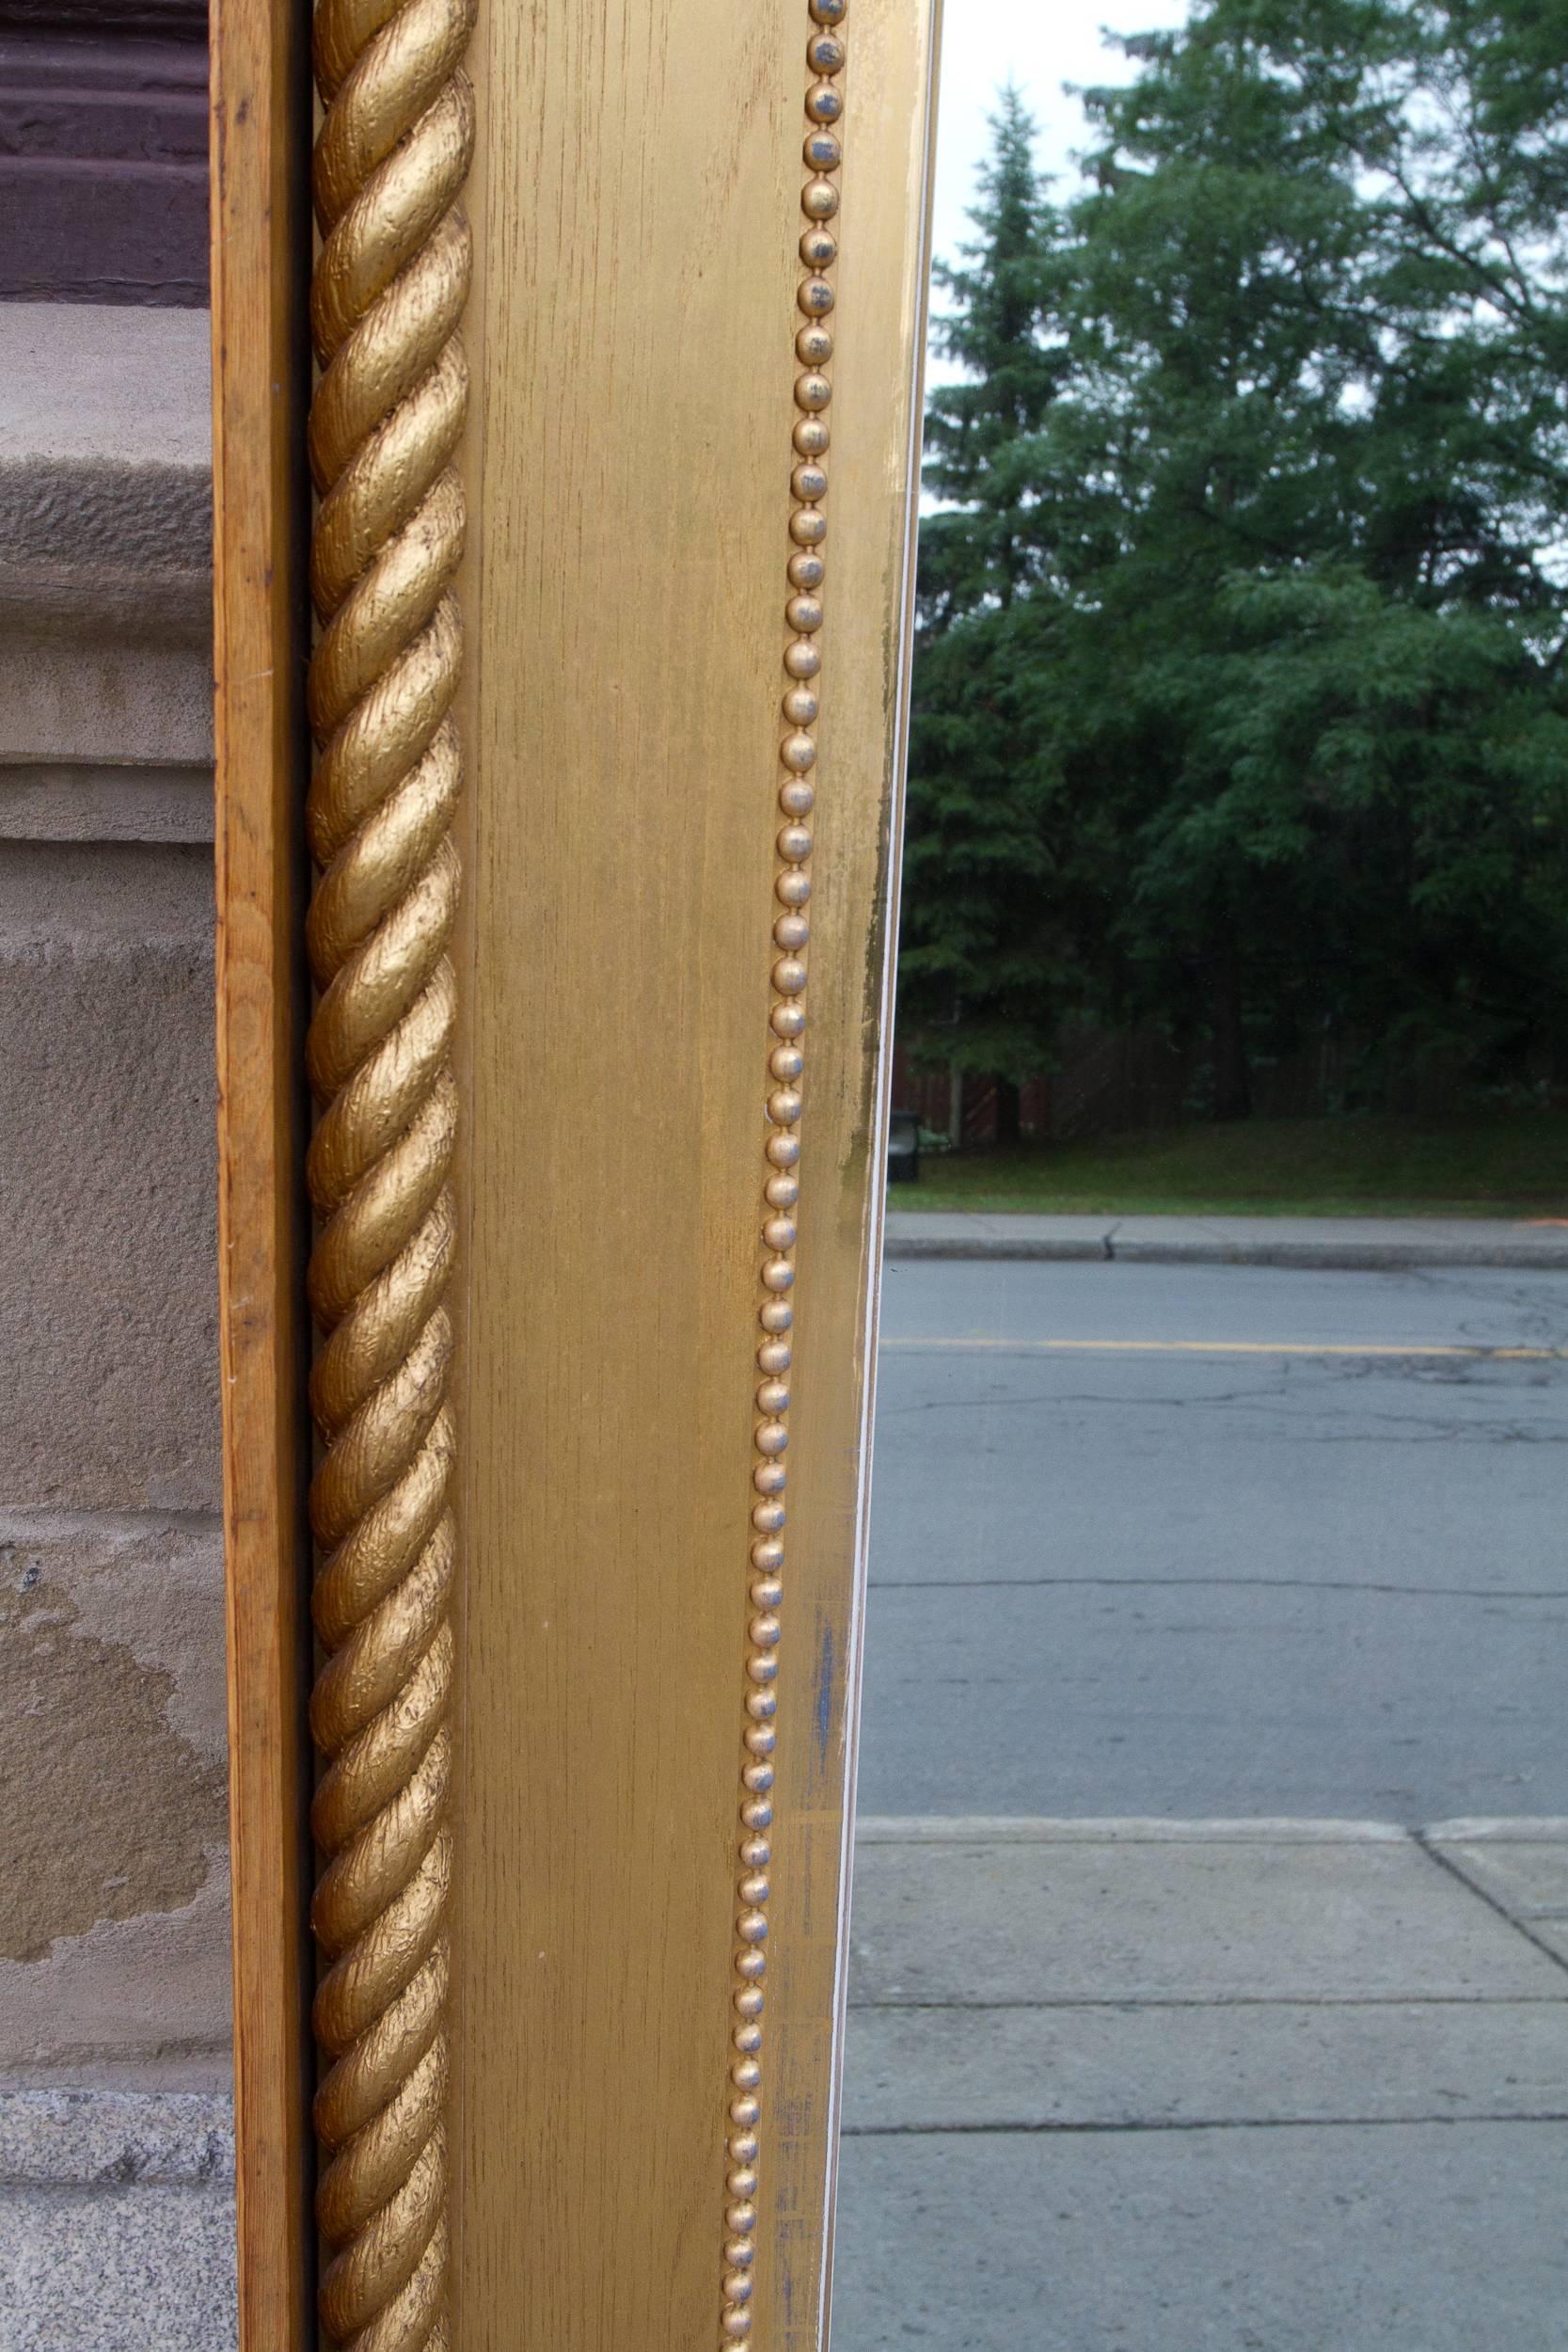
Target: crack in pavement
(1207, 2123)
(1197, 1584)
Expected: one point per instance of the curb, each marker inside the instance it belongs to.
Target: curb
(1328, 1255)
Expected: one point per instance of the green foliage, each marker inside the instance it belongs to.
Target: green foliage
(1239, 699)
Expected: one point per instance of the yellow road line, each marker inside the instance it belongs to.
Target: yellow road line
(1220, 1347)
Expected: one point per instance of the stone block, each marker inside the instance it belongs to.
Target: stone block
(109, 802)
(127, 2270)
(109, 1178)
(113, 1871)
(105, 473)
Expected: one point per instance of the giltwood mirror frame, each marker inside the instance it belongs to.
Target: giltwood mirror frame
(548, 1220)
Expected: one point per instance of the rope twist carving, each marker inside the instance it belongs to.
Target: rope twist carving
(387, 298)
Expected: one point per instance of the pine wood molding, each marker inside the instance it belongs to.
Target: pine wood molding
(597, 1055)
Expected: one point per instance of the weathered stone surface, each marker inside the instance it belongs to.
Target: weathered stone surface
(113, 1885)
(103, 700)
(81, 802)
(105, 499)
(107, 1178)
(115, 2138)
(128, 2270)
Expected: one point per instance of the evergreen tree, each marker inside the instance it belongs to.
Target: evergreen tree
(986, 960)
(1270, 586)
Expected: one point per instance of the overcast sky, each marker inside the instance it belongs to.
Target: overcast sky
(1041, 44)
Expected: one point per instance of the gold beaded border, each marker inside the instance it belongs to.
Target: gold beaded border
(802, 663)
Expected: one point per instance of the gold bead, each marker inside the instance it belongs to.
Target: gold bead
(807, 570)
(783, 1150)
(797, 752)
(793, 930)
(794, 843)
(812, 391)
(799, 706)
(756, 1814)
(792, 889)
(809, 482)
(773, 1355)
(783, 1107)
(768, 1555)
(818, 249)
(737, 2322)
(767, 1592)
(786, 1062)
(787, 1020)
(823, 102)
(741, 2218)
(749, 1964)
(738, 2250)
(768, 1478)
(748, 2002)
(828, 12)
(751, 1926)
(737, 2287)
(771, 1437)
(826, 53)
(789, 978)
(761, 1739)
(747, 2039)
(821, 152)
(777, 1274)
(765, 1631)
(775, 1314)
(815, 296)
(781, 1192)
(746, 2074)
(743, 2150)
(812, 435)
(767, 1518)
(779, 1233)
(820, 200)
(808, 526)
(743, 2182)
(805, 615)
(814, 348)
(802, 658)
(757, 1777)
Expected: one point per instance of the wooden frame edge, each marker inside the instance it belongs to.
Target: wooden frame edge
(260, 228)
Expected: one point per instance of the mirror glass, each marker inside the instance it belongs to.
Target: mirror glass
(1209, 1938)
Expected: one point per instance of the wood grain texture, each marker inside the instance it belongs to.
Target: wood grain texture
(260, 133)
(637, 202)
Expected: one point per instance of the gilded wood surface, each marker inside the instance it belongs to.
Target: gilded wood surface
(390, 283)
(637, 208)
(261, 227)
(878, 323)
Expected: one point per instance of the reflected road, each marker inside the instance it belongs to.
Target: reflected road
(1138, 1547)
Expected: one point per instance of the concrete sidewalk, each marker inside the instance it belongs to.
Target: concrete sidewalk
(1206, 2087)
(1374, 1243)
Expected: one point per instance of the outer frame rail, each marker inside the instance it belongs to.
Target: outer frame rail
(564, 1347)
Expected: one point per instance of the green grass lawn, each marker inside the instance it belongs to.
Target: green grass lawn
(1361, 1165)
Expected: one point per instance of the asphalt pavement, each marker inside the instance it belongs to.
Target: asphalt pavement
(1152, 1539)
(1209, 1985)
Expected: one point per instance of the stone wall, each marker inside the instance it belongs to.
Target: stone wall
(115, 2164)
